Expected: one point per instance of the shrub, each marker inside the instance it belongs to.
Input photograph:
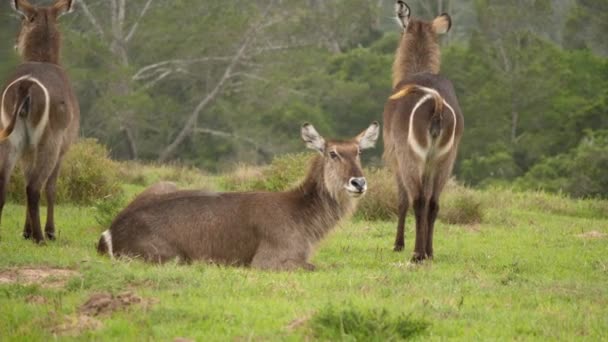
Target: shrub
(333, 324)
(108, 208)
(87, 175)
(148, 174)
(580, 173)
(284, 172)
(460, 205)
(243, 178)
(380, 201)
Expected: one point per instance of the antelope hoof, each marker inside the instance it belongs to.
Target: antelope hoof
(398, 248)
(27, 235)
(418, 258)
(50, 235)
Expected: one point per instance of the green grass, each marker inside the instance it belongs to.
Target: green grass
(522, 273)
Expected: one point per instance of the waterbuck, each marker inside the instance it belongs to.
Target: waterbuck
(423, 125)
(39, 113)
(265, 230)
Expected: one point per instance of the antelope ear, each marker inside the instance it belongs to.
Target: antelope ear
(442, 24)
(62, 7)
(367, 139)
(403, 12)
(23, 7)
(312, 138)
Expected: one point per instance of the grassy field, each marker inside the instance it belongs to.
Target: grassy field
(536, 267)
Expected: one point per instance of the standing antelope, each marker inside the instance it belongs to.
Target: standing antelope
(266, 230)
(423, 125)
(39, 112)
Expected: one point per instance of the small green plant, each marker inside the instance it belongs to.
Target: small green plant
(350, 323)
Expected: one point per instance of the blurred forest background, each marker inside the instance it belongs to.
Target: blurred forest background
(217, 82)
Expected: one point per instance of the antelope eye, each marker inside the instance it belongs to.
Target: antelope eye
(333, 155)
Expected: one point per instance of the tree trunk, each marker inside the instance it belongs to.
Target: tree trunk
(131, 146)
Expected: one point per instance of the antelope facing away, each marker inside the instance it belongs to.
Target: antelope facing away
(423, 125)
(265, 230)
(39, 112)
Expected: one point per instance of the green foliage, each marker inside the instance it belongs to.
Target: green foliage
(580, 172)
(351, 324)
(284, 172)
(530, 77)
(460, 206)
(86, 175)
(107, 208)
(488, 168)
(380, 202)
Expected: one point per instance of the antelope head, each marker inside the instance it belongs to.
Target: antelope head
(342, 171)
(39, 38)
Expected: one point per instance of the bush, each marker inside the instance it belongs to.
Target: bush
(460, 205)
(87, 175)
(243, 178)
(580, 172)
(482, 169)
(108, 208)
(380, 201)
(284, 172)
(148, 174)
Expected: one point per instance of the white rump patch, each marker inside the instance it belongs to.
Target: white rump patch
(411, 139)
(419, 150)
(450, 144)
(39, 129)
(4, 116)
(107, 238)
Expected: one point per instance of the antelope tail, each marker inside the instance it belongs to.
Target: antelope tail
(435, 127)
(24, 104)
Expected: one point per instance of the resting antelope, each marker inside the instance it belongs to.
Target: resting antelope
(423, 125)
(266, 230)
(39, 112)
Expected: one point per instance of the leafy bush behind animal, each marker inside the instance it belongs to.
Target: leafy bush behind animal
(87, 175)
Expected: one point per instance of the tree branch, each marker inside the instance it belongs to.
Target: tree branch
(143, 72)
(91, 18)
(262, 150)
(136, 25)
(191, 122)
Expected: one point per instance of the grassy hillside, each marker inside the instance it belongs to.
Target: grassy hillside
(535, 267)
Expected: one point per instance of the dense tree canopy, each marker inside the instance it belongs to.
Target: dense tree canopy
(211, 83)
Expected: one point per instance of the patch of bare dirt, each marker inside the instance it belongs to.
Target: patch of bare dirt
(43, 276)
(106, 303)
(181, 339)
(99, 304)
(298, 322)
(594, 234)
(76, 325)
